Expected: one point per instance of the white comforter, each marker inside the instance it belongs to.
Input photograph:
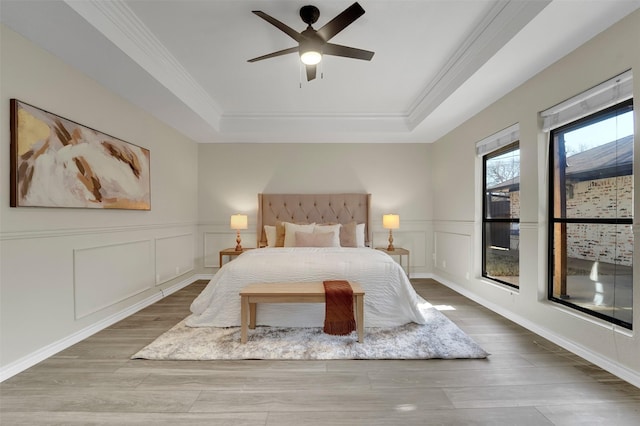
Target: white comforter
(390, 300)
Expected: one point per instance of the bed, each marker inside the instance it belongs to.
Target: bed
(286, 255)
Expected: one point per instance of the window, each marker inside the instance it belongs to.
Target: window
(591, 213)
(501, 215)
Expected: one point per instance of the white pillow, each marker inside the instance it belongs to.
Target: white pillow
(290, 230)
(360, 235)
(270, 232)
(326, 229)
(314, 239)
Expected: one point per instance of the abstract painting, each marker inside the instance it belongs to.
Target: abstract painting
(56, 162)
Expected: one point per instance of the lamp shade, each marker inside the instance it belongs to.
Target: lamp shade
(391, 221)
(239, 221)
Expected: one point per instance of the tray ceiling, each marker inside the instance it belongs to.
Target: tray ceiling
(436, 63)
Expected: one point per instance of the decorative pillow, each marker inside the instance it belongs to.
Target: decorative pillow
(314, 239)
(348, 235)
(333, 229)
(290, 230)
(279, 234)
(270, 232)
(360, 235)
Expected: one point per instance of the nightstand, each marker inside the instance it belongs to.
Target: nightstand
(231, 252)
(399, 252)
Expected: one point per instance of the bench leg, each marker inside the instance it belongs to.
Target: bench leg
(244, 317)
(360, 317)
(252, 315)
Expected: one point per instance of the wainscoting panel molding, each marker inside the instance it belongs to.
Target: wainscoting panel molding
(31, 359)
(106, 275)
(452, 254)
(174, 256)
(216, 241)
(413, 235)
(213, 243)
(90, 231)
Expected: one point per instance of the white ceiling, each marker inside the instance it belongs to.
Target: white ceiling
(436, 63)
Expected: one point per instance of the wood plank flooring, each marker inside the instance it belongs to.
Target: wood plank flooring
(526, 381)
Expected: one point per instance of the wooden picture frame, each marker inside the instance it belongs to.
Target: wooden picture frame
(56, 162)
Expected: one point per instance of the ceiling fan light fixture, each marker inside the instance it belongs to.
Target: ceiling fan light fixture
(310, 57)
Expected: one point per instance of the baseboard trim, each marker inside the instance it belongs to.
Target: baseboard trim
(421, 275)
(45, 352)
(603, 362)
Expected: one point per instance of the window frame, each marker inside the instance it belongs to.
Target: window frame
(513, 146)
(615, 110)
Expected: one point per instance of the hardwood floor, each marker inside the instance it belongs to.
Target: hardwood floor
(526, 381)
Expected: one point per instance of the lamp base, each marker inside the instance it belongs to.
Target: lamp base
(390, 247)
(238, 245)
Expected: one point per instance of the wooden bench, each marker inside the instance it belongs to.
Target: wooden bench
(309, 292)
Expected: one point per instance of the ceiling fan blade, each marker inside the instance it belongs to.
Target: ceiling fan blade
(281, 26)
(274, 54)
(311, 72)
(346, 51)
(341, 21)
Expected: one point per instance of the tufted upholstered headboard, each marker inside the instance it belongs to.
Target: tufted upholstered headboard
(319, 208)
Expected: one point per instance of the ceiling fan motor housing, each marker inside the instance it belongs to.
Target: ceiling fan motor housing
(312, 41)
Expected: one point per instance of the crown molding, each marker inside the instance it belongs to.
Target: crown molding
(499, 25)
(120, 25)
(322, 123)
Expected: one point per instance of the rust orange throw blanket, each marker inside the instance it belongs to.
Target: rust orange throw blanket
(338, 319)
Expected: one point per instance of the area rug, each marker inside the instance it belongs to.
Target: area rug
(438, 338)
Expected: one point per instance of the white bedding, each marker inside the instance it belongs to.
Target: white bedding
(390, 300)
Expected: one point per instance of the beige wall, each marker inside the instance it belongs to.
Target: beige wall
(67, 271)
(397, 175)
(457, 217)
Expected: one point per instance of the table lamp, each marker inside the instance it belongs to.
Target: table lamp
(238, 222)
(390, 222)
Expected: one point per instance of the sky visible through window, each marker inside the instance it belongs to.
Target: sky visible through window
(507, 166)
(605, 131)
(503, 168)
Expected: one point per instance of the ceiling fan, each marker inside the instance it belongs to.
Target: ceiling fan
(312, 44)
